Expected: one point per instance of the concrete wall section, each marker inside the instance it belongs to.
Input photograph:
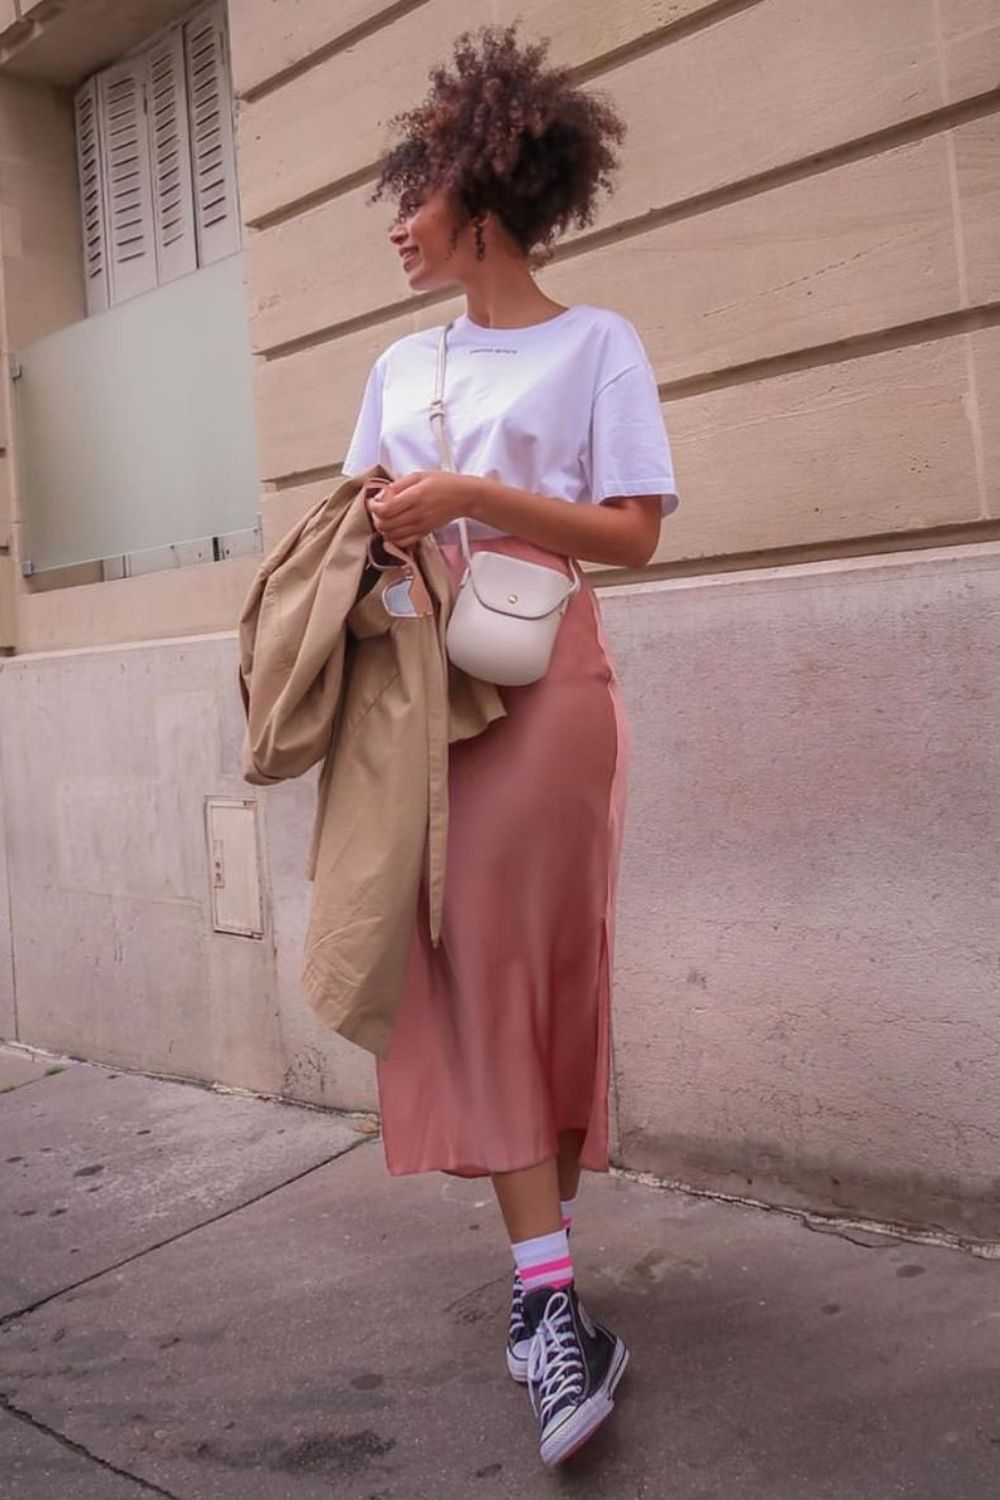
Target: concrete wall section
(8, 1000)
(108, 756)
(806, 958)
(808, 963)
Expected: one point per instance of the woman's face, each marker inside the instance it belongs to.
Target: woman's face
(422, 236)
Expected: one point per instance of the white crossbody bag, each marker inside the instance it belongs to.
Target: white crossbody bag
(504, 620)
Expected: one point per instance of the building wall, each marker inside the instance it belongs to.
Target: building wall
(40, 272)
(806, 241)
(115, 955)
(806, 954)
(808, 973)
(804, 232)
(42, 57)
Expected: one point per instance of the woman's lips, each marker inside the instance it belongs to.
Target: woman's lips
(408, 259)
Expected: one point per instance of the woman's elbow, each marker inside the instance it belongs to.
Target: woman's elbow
(643, 532)
(645, 543)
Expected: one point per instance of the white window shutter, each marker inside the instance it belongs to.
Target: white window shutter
(92, 208)
(213, 156)
(121, 94)
(170, 156)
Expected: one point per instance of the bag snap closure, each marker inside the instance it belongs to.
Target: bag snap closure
(512, 598)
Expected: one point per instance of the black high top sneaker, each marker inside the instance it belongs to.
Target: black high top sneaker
(574, 1366)
(518, 1334)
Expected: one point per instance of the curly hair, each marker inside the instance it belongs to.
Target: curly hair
(502, 131)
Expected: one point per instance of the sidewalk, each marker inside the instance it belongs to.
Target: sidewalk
(212, 1297)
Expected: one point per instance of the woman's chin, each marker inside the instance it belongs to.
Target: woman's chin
(421, 280)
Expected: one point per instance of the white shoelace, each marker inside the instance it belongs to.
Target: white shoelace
(554, 1362)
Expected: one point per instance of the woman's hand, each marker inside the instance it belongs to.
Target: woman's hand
(419, 503)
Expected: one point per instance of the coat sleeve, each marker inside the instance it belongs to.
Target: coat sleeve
(292, 640)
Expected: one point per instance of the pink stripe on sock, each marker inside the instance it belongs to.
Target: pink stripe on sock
(560, 1279)
(564, 1263)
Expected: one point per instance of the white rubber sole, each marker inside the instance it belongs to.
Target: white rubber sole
(517, 1364)
(582, 1423)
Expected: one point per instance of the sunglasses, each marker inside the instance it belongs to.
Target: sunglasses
(406, 597)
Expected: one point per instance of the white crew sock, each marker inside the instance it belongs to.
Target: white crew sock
(544, 1261)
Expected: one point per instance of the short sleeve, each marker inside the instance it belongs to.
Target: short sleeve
(629, 447)
(363, 449)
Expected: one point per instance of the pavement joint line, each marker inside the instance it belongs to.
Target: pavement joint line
(13, 1088)
(21, 1415)
(809, 1219)
(832, 1224)
(208, 1085)
(170, 1239)
(475, 1291)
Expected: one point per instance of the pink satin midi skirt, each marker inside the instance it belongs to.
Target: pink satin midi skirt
(503, 1036)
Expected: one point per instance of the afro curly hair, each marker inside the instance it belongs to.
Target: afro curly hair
(501, 131)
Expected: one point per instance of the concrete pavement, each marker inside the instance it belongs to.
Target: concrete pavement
(214, 1297)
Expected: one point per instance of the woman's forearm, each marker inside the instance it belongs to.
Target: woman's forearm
(592, 533)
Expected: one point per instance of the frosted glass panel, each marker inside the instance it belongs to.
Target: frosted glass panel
(134, 428)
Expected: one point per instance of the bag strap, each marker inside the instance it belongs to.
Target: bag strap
(437, 422)
(444, 451)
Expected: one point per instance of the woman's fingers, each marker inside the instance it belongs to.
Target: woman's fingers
(400, 518)
(398, 538)
(405, 481)
(396, 507)
(398, 525)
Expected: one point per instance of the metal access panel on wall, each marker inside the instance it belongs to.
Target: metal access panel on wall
(234, 864)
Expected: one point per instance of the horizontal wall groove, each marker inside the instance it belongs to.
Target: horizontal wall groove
(667, 35)
(898, 133)
(836, 351)
(584, 73)
(963, 534)
(830, 159)
(602, 62)
(296, 207)
(322, 54)
(281, 482)
(333, 331)
(770, 367)
(816, 164)
(877, 544)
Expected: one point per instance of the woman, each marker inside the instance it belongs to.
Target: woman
(499, 1061)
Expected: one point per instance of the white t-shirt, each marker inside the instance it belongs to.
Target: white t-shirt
(567, 407)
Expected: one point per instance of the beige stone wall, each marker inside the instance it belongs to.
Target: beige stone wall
(804, 232)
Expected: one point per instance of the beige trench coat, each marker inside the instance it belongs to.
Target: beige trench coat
(327, 673)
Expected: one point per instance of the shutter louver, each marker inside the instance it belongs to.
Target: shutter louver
(173, 210)
(91, 182)
(122, 97)
(210, 114)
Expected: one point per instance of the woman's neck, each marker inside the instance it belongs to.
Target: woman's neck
(508, 301)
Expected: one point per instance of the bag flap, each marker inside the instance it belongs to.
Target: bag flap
(514, 586)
